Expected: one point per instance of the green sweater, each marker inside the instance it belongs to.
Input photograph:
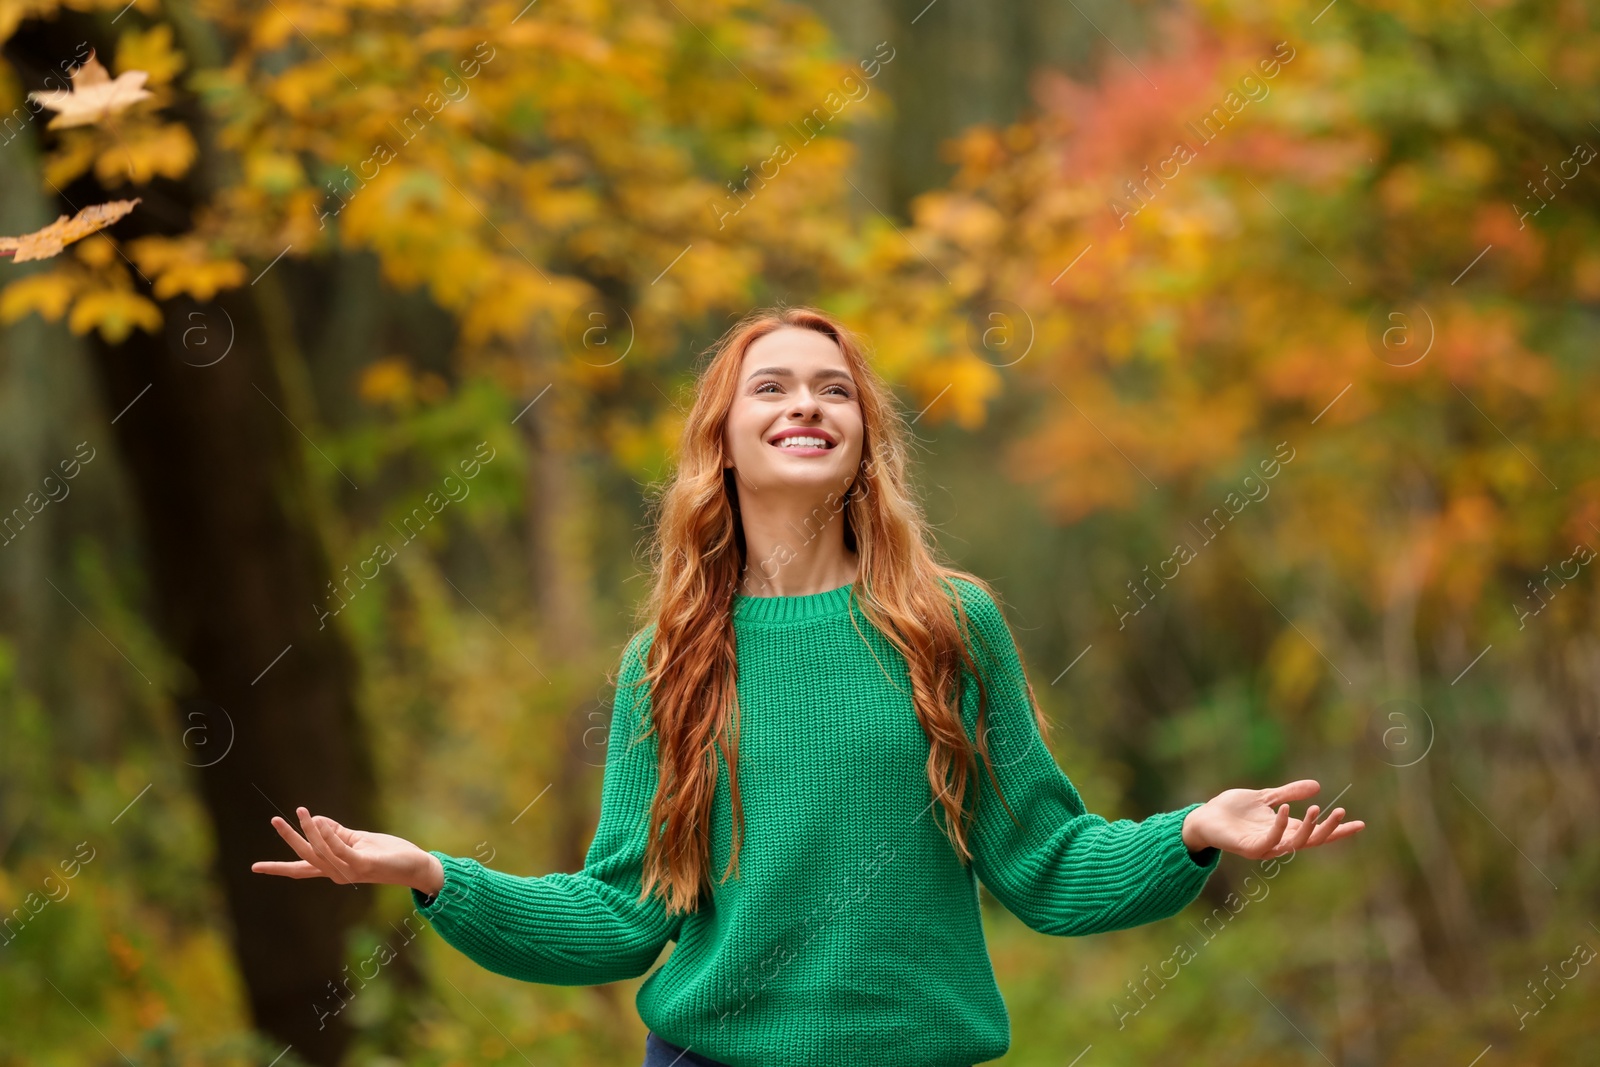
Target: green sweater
(853, 935)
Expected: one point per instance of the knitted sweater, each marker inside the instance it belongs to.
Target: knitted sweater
(853, 935)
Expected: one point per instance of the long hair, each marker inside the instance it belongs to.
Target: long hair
(697, 552)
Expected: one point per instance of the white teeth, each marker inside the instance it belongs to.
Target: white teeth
(802, 442)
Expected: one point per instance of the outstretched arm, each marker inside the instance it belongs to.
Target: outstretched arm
(1059, 868)
(585, 928)
(1056, 866)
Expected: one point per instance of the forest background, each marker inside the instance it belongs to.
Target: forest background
(1247, 348)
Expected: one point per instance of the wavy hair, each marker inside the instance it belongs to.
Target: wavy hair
(697, 552)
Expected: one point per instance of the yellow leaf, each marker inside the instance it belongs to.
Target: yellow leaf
(273, 172)
(114, 312)
(272, 28)
(94, 95)
(165, 150)
(199, 280)
(74, 154)
(286, 20)
(299, 90)
(42, 244)
(155, 254)
(151, 52)
(97, 251)
(184, 265)
(48, 294)
(388, 381)
(958, 389)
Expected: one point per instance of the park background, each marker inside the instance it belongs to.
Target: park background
(1310, 289)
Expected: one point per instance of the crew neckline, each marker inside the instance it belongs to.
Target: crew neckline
(791, 609)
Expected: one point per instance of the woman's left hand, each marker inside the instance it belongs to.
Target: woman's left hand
(1255, 823)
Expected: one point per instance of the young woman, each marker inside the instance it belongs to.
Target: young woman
(822, 740)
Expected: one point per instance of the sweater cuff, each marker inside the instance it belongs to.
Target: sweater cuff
(1181, 872)
(459, 880)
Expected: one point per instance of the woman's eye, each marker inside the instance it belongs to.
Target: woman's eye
(838, 390)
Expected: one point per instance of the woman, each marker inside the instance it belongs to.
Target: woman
(802, 717)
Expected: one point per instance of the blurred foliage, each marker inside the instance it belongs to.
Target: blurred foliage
(1129, 356)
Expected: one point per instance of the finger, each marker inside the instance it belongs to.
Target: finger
(1349, 829)
(288, 868)
(1270, 845)
(346, 859)
(324, 853)
(1325, 828)
(301, 846)
(340, 831)
(337, 848)
(1297, 790)
(314, 839)
(1302, 832)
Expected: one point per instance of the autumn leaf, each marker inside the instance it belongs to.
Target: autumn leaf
(387, 381)
(151, 52)
(75, 152)
(94, 95)
(115, 313)
(42, 244)
(49, 294)
(184, 265)
(164, 151)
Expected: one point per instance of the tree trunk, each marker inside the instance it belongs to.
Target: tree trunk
(237, 569)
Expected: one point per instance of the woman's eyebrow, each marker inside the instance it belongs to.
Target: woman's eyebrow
(785, 372)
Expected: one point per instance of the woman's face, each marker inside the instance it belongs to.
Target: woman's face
(792, 380)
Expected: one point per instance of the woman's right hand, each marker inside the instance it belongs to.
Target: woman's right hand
(329, 850)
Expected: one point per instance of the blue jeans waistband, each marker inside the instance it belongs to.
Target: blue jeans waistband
(659, 1052)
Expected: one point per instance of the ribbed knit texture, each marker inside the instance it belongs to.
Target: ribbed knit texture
(852, 936)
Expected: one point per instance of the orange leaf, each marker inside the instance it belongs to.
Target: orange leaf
(42, 244)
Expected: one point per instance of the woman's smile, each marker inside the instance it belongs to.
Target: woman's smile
(803, 441)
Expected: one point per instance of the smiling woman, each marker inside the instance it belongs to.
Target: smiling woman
(837, 704)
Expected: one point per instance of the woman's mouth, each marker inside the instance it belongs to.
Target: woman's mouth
(803, 442)
(809, 446)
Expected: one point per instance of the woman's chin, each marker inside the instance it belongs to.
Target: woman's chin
(817, 477)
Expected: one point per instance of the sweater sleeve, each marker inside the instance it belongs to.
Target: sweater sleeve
(586, 928)
(1057, 867)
